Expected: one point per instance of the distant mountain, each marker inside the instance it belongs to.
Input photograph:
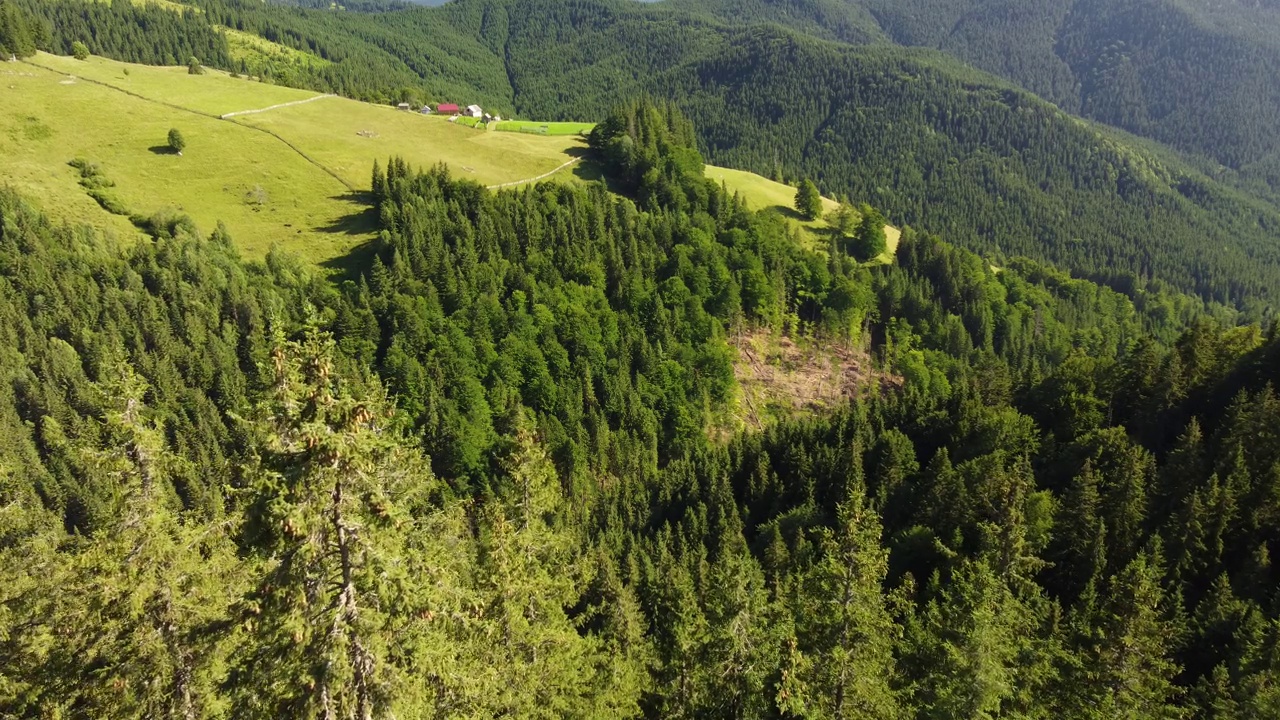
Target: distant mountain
(935, 143)
(1200, 77)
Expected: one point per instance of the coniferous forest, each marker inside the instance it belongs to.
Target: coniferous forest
(494, 471)
(933, 143)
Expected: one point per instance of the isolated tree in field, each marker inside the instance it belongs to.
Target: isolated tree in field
(870, 242)
(176, 141)
(194, 67)
(808, 200)
(80, 50)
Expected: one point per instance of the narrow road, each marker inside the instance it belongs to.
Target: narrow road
(274, 107)
(543, 176)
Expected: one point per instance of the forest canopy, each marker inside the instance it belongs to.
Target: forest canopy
(478, 477)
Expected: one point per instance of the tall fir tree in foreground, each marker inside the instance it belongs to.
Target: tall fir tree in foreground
(842, 618)
(335, 521)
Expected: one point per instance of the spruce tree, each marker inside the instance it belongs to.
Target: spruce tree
(335, 520)
(846, 631)
(808, 200)
(142, 594)
(1132, 674)
(869, 242)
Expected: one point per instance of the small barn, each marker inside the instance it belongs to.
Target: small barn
(474, 111)
(447, 108)
(426, 110)
(403, 106)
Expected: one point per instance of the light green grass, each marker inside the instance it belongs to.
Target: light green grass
(347, 136)
(312, 161)
(213, 93)
(49, 120)
(254, 49)
(116, 118)
(761, 193)
(166, 4)
(764, 194)
(474, 123)
(547, 128)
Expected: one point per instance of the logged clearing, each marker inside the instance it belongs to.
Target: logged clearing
(251, 48)
(779, 378)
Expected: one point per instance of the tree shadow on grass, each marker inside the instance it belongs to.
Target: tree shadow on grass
(589, 170)
(162, 150)
(352, 264)
(788, 212)
(363, 222)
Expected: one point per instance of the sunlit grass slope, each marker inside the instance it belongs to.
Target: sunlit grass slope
(264, 192)
(761, 193)
(292, 176)
(346, 136)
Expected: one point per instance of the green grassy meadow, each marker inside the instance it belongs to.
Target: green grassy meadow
(50, 120)
(346, 136)
(761, 193)
(213, 93)
(295, 176)
(245, 46)
(118, 115)
(540, 128)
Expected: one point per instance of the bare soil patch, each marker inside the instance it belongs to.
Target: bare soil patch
(781, 378)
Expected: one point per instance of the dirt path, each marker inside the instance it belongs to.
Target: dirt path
(274, 107)
(543, 176)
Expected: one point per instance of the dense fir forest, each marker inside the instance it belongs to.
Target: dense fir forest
(478, 478)
(931, 143)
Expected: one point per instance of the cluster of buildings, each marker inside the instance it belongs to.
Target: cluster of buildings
(473, 111)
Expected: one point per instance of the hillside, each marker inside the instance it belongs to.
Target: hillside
(934, 144)
(300, 184)
(511, 470)
(1197, 76)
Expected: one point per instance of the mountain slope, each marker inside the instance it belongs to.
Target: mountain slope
(936, 144)
(1196, 76)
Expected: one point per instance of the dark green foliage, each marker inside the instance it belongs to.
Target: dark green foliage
(175, 140)
(931, 143)
(808, 200)
(21, 32)
(122, 30)
(1063, 505)
(79, 50)
(869, 242)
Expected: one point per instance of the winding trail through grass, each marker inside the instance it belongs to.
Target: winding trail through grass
(543, 176)
(224, 116)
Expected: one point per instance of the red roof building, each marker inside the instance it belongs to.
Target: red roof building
(447, 108)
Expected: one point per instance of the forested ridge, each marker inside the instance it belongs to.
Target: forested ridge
(1196, 76)
(476, 478)
(933, 144)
